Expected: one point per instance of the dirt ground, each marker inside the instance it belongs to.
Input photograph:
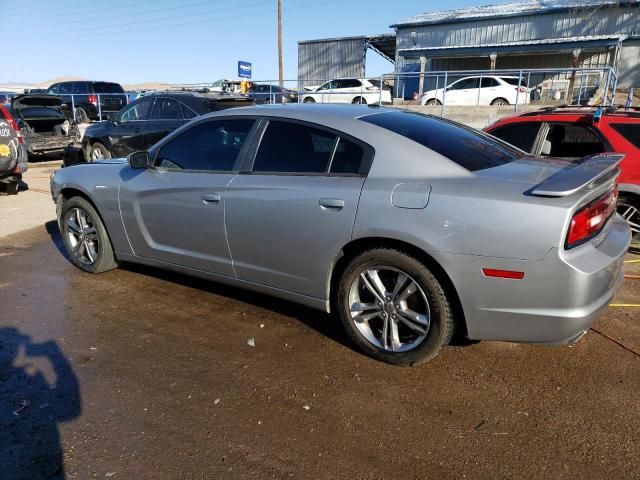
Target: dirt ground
(142, 374)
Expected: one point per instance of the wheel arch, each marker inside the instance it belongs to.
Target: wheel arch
(69, 192)
(357, 246)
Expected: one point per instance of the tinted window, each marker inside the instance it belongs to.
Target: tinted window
(105, 87)
(521, 134)
(187, 113)
(349, 83)
(137, 111)
(489, 82)
(54, 89)
(347, 158)
(465, 83)
(572, 141)
(81, 87)
(630, 131)
(207, 146)
(289, 147)
(329, 85)
(514, 81)
(66, 88)
(468, 148)
(166, 109)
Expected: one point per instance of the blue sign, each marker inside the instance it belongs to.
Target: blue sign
(244, 69)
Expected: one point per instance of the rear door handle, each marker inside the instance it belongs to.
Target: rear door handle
(331, 203)
(211, 198)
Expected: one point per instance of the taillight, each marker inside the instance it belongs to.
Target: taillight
(93, 99)
(9, 118)
(521, 89)
(372, 89)
(589, 220)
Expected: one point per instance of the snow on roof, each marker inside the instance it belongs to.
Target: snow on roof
(527, 7)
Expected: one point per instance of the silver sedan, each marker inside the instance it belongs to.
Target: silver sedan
(405, 226)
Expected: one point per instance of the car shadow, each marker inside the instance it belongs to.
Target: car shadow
(38, 390)
(54, 232)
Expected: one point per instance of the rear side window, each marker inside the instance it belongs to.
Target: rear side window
(488, 82)
(514, 81)
(572, 141)
(213, 145)
(293, 148)
(348, 157)
(630, 131)
(166, 109)
(187, 113)
(468, 148)
(106, 87)
(80, 87)
(66, 88)
(521, 134)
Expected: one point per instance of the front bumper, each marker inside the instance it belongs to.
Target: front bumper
(558, 299)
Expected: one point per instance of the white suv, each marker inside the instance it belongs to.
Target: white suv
(480, 90)
(347, 90)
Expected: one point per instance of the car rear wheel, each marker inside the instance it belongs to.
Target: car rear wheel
(309, 100)
(394, 308)
(98, 152)
(359, 100)
(433, 101)
(500, 102)
(85, 237)
(629, 209)
(81, 115)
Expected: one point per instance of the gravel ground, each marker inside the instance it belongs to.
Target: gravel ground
(143, 374)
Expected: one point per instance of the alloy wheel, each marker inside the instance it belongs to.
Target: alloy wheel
(632, 215)
(96, 154)
(389, 308)
(82, 236)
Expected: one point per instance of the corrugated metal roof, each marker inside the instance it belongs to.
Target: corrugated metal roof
(546, 41)
(528, 7)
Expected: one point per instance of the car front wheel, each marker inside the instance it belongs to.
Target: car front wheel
(98, 151)
(394, 308)
(85, 237)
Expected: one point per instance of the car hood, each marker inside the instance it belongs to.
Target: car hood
(530, 170)
(35, 100)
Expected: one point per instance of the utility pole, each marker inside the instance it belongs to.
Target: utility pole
(280, 77)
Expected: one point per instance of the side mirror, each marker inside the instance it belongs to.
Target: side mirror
(139, 160)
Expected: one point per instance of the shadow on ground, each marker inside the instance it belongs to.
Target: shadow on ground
(38, 390)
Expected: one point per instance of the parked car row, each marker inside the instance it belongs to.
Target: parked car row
(480, 90)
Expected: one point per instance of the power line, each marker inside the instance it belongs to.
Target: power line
(204, 21)
(162, 19)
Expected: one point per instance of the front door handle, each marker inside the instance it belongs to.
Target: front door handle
(331, 203)
(211, 198)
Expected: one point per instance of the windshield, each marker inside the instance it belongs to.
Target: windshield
(469, 148)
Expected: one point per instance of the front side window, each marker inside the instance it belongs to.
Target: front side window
(329, 85)
(66, 88)
(208, 146)
(139, 110)
(630, 131)
(521, 134)
(54, 89)
(166, 109)
(465, 146)
(572, 141)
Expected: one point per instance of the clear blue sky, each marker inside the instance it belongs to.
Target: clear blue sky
(181, 41)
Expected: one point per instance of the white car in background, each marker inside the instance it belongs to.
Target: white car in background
(480, 90)
(347, 90)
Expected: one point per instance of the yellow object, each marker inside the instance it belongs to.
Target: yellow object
(632, 261)
(624, 304)
(4, 151)
(244, 86)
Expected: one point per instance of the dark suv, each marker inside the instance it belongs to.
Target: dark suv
(148, 119)
(91, 100)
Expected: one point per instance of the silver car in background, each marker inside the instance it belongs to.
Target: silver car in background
(405, 226)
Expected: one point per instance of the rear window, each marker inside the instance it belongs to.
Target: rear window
(630, 131)
(519, 134)
(468, 148)
(104, 87)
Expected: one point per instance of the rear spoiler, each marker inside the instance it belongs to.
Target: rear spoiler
(587, 172)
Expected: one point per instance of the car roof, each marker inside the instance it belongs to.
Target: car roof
(572, 114)
(323, 113)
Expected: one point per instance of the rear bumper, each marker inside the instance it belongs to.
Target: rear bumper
(558, 299)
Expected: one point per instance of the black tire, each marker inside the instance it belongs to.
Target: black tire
(103, 252)
(9, 188)
(499, 101)
(309, 100)
(81, 116)
(98, 151)
(433, 101)
(629, 209)
(441, 326)
(359, 100)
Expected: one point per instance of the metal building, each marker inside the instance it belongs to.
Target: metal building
(340, 57)
(525, 34)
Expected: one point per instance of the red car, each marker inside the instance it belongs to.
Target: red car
(572, 132)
